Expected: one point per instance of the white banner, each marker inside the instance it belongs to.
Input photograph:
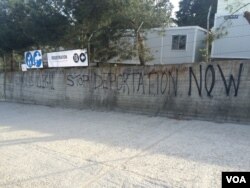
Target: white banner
(33, 59)
(72, 58)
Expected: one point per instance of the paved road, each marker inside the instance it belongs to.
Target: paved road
(53, 147)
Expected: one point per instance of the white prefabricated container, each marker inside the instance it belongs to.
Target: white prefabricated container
(176, 45)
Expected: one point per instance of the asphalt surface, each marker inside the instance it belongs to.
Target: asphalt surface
(52, 147)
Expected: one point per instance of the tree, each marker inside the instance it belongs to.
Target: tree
(194, 12)
(11, 33)
(107, 21)
(25, 24)
(77, 23)
(44, 22)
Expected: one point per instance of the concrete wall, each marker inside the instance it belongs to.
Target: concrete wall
(218, 91)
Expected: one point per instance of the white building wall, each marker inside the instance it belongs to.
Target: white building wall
(234, 44)
(160, 45)
(171, 56)
(200, 44)
(155, 42)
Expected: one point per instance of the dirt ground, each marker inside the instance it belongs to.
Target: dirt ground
(52, 147)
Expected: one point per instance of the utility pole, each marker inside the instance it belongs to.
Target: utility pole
(140, 45)
(4, 84)
(208, 32)
(89, 47)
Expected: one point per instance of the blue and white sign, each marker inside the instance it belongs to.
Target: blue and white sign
(33, 59)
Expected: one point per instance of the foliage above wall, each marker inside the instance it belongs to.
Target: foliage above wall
(73, 24)
(194, 12)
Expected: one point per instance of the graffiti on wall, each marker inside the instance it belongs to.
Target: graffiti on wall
(2, 96)
(201, 81)
(130, 81)
(232, 83)
(43, 80)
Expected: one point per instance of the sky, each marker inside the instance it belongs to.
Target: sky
(176, 6)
